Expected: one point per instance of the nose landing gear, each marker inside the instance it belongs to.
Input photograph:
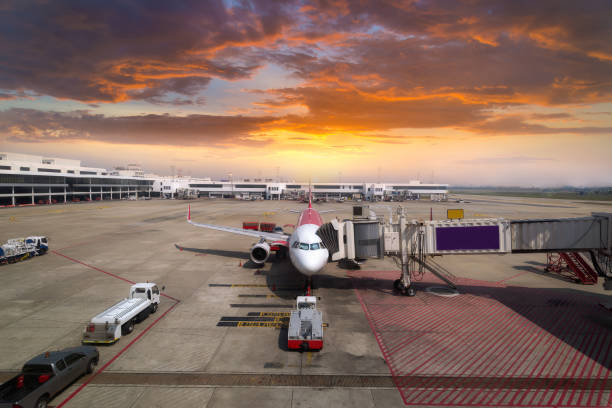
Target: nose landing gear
(406, 290)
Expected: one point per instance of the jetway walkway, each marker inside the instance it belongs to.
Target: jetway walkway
(415, 242)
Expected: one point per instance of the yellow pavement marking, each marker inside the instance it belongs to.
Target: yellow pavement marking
(275, 325)
(266, 314)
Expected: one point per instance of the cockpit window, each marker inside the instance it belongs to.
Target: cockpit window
(295, 244)
(314, 246)
(304, 246)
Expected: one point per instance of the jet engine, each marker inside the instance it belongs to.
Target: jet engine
(260, 252)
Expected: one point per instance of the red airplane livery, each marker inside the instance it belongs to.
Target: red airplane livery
(306, 250)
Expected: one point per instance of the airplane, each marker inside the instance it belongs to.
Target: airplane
(307, 252)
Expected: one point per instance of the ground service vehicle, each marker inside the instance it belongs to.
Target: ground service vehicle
(118, 320)
(306, 325)
(18, 249)
(45, 375)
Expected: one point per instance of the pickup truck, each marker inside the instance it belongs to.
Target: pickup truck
(119, 319)
(45, 375)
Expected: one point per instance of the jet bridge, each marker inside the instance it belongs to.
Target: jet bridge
(414, 242)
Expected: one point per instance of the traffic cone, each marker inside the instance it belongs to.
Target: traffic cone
(240, 264)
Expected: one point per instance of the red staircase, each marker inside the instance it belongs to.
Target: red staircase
(571, 264)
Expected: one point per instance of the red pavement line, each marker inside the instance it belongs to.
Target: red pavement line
(575, 364)
(386, 317)
(170, 297)
(105, 366)
(393, 319)
(552, 352)
(380, 344)
(601, 393)
(512, 277)
(549, 352)
(593, 363)
(516, 324)
(477, 323)
(523, 345)
(601, 367)
(468, 357)
(93, 267)
(129, 344)
(591, 346)
(454, 338)
(539, 335)
(76, 245)
(420, 333)
(398, 360)
(516, 336)
(402, 343)
(572, 348)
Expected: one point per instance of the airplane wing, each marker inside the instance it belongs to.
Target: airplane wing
(277, 238)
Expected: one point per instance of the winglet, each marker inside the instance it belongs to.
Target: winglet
(189, 212)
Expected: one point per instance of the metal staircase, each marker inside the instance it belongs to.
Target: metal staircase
(571, 264)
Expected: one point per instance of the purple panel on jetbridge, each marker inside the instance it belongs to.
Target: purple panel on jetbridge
(467, 238)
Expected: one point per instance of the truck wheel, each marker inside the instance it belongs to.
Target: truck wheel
(90, 366)
(42, 402)
(128, 327)
(154, 308)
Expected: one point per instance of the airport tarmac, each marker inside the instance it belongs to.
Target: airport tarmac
(514, 336)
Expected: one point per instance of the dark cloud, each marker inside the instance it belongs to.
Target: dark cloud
(363, 65)
(516, 71)
(571, 25)
(105, 51)
(519, 125)
(27, 125)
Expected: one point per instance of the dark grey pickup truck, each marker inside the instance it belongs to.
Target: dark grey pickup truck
(45, 375)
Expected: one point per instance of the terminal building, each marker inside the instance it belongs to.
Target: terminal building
(28, 179)
(169, 187)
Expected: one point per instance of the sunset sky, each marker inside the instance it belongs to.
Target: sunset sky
(462, 92)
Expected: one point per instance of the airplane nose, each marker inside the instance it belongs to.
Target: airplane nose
(312, 263)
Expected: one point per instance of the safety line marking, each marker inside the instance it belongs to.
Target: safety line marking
(105, 366)
(512, 277)
(94, 268)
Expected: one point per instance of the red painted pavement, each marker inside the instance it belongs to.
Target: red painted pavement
(494, 345)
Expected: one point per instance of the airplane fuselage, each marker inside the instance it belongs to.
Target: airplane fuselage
(306, 250)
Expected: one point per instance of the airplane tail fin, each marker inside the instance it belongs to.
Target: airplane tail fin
(189, 212)
(309, 196)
